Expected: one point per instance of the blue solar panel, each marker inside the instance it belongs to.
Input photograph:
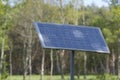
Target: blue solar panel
(57, 36)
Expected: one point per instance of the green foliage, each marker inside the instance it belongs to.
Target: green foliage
(71, 14)
(116, 19)
(4, 23)
(4, 72)
(110, 37)
(6, 41)
(2, 9)
(107, 76)
(21, 17)
(116, 13)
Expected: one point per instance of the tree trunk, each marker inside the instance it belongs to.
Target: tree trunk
(83, 14)
(24, 71)
(2, 53)
(78, 75)
(29, 52)
(102, 66)
(25, 57)
(113, 62)
(62, 64)
(119, 57)
(62, 15)
(42, 65)
(95, 67)
(25, 61)
(51, 57)
(10, 58)
(85, 56)
(30, 67)
(58, 63)
(62, 53)
(107, 64)
(85, 65)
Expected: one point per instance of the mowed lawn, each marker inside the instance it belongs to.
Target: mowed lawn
(58, 77)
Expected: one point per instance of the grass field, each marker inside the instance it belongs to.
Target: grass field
(47, 77)
(58, 77)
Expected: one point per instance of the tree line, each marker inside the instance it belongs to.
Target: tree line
(21, 52)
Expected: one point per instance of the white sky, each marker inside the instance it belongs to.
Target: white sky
(99, 3)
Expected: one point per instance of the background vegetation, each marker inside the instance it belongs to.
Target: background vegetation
(21, 52)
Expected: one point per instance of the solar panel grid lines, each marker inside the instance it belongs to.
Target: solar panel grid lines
(59, 36)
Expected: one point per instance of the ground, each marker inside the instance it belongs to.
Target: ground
(67, 77)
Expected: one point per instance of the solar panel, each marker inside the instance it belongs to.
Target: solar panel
(58, 36)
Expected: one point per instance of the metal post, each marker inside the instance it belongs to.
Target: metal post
(72, 65)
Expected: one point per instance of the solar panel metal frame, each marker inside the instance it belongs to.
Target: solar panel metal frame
(39, 27)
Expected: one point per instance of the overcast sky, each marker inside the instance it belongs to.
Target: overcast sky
(86, 2)
(96, 2)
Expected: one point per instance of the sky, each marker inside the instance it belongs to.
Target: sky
(99, 3)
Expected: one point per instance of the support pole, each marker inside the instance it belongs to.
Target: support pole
(72, 65)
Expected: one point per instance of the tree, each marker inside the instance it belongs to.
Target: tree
(25, 42)
(116, 13)
(51, 58)
(3, 38)
(25, 28)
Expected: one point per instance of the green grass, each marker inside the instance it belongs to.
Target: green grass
(57, 77)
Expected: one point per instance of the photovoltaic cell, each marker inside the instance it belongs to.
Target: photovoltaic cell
(58, 36)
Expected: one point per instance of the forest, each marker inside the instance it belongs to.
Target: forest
(20, 49)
